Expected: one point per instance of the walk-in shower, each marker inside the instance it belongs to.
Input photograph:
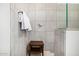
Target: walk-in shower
(49, 22)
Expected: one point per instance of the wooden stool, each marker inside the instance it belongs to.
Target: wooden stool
(36, 47)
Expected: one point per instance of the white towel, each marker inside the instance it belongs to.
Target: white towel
(25, 21)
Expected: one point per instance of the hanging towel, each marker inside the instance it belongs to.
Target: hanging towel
(25, 21)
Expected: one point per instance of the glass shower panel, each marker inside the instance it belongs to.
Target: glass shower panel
(73, 16)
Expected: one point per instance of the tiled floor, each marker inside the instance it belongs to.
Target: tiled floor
(46, 53)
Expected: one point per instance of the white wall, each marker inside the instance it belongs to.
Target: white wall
(72, 43)
(4, 29)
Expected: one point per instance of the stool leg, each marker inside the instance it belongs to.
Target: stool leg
(42, 54)
(29, 53)
(42, 51)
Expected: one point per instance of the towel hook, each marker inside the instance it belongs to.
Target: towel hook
(20, 12)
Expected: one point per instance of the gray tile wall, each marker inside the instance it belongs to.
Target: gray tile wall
(59, 43)
(73, 16)
(50, 16)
